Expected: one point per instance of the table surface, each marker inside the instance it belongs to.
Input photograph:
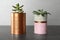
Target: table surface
(53, 34)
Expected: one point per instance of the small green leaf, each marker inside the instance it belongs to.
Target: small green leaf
(17, 4)
(21, 6)
(13, 10)
(13, 6)
(49, 13)
(43, 15)
(35, 12)
(39, 10)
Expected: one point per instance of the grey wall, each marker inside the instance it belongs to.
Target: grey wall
(52, 6)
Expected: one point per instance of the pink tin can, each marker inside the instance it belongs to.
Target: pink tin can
(40, 28)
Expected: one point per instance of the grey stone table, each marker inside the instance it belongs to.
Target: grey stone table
(53, 34)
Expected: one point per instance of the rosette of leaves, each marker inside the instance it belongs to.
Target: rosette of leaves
(41, 12)
(18, 8)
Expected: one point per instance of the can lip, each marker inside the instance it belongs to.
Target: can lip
(18, 13)
(40, 21)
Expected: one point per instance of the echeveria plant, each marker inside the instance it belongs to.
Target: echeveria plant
(17, 8)
(41, 12)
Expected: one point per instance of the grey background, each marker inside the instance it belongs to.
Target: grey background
(52, 6)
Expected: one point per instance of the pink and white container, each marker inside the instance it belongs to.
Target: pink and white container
(40, 24)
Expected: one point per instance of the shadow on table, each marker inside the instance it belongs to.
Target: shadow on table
(18, 37)
(40, 37)
(35, 37)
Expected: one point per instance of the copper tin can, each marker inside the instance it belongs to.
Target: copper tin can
(18, 23)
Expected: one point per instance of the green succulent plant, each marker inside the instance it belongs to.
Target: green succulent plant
(41, 12)
(18, 8)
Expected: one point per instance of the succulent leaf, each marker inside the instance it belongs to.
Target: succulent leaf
(13, 6)
(13, 9)
(21, 6)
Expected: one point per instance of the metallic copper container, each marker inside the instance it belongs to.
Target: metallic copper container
(18, 23)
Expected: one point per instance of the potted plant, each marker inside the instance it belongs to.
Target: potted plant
(18, 20)
(40, 21)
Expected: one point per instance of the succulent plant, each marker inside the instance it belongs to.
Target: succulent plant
(41, 12)
(18, 8)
